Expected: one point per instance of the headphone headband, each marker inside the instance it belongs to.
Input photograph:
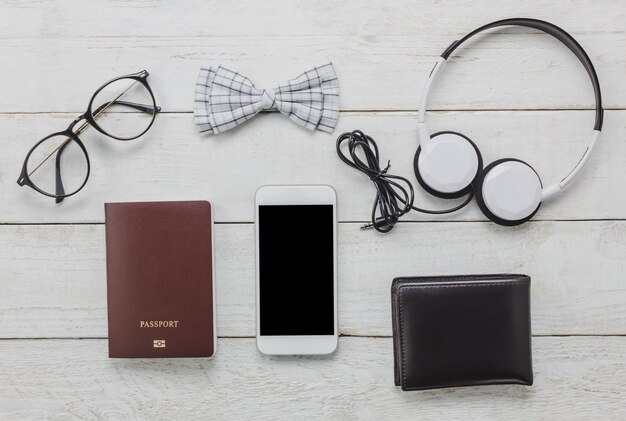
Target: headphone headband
(557, 33)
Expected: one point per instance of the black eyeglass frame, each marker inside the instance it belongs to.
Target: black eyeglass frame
(88, 116)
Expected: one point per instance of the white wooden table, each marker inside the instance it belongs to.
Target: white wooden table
(516, 93)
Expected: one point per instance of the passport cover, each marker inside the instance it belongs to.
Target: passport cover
(160, 279)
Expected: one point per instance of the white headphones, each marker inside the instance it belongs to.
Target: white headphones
(508, 191)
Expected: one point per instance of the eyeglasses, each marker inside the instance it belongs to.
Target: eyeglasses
(58, 165)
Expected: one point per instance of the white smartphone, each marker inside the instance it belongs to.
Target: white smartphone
(296, 270)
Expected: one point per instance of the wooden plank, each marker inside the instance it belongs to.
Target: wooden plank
(136, 18)
(64, 54)
(575, 378)
(54, 281)
(174, 162)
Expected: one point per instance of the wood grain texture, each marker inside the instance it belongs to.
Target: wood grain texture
(576, 268)
(174, 162)
(575, 379)
(517, 93)
(66, 51)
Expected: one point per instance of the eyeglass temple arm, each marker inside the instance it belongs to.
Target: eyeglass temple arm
(145, 108)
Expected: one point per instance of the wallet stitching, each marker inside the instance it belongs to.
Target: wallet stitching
(478, 383)
(396, 340)
(402, 341)
(457, 285)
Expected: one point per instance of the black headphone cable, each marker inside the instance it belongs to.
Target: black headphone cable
(394, 194)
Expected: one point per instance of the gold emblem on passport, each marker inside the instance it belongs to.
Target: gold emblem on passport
(158, 343)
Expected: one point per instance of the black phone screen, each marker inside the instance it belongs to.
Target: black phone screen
(296, 270)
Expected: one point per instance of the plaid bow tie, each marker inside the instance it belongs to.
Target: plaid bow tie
(225, 99)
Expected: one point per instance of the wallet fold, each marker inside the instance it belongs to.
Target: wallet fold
(461, 331)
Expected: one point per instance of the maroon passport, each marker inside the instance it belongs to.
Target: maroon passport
(160, 279)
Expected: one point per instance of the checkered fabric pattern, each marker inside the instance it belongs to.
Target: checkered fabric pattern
(224, 99)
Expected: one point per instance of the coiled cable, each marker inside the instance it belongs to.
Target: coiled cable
(394, 194)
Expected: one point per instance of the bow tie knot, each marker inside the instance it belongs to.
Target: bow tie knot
(225, 99)
(268, 99)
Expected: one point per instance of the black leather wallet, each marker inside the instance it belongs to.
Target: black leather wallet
(461, 331)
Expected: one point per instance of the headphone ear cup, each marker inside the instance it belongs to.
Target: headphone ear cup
(448, 165)
(508, 192)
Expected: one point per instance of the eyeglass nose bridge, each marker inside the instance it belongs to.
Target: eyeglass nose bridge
(76, 121)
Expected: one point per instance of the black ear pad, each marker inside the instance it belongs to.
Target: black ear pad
(444, 195)
(480, 199)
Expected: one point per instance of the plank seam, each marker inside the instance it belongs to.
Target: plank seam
(358, 111)
(87, 338)
(346, 222)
